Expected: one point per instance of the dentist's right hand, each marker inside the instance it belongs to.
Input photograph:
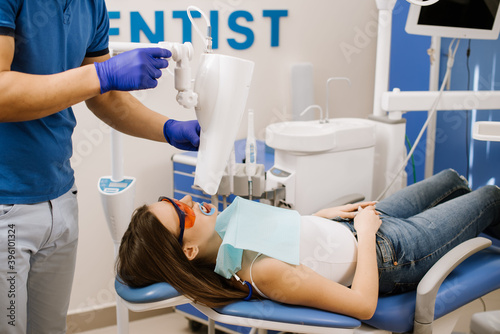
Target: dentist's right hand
(132, 70)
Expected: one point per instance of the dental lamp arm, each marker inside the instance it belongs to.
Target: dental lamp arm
(181, 55)
(126, 114)
(132, 70)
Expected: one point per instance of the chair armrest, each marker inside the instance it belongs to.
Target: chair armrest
(429, 285)
(347, 199)
(343, 200)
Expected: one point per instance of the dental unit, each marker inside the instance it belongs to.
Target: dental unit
(353, 158)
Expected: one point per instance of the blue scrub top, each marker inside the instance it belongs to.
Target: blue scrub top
(51, 36)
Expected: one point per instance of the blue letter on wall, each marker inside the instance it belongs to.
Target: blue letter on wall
(114, 31)
(137, 24)
(241, 30)
(186, 24)
(275, 24)
(214, 22)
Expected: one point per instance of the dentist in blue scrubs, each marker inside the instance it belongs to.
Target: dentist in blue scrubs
(54, 54)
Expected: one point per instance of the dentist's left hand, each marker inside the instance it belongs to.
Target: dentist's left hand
(183, 135)
(132, 70)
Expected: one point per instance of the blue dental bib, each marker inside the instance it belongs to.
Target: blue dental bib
(248, 225)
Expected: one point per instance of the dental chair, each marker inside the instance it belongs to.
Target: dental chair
(468, 272)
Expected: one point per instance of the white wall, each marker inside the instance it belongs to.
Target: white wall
(337, 36)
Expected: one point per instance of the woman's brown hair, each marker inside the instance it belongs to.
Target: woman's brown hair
(149, 253)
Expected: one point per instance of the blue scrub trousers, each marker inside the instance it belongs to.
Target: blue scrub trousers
(38, 245)
(426, 220)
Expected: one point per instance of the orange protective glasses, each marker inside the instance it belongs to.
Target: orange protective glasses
(185, 213)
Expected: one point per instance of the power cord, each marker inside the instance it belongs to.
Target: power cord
(412, 160)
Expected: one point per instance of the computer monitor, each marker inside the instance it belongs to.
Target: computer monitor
(476, 19)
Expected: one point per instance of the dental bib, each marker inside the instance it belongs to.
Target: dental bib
(248, 225)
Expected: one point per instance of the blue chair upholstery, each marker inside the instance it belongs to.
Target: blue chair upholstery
(148, 294)
(272, 311)
(466, 283)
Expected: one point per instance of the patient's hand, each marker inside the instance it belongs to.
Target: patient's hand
(348, 211)
(367, 221)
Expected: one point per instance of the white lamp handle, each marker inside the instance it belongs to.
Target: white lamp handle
(422, 3)
(117, 156)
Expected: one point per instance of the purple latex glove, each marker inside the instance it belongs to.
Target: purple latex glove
(132, 70)
(183, 135)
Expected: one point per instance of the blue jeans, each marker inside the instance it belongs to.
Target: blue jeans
(424, 221)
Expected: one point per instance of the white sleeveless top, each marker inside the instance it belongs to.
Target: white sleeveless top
(327, 247)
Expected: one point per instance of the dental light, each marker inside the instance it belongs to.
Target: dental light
(182, 54)
(222, 84)
(219, 97)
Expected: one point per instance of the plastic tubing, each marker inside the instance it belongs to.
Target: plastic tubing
(449, 65)
(208, 39)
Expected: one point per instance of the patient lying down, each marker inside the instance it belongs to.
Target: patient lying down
(340, 259)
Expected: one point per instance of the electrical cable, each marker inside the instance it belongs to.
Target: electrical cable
(206, 39)
(412, 160)
(449, 65)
